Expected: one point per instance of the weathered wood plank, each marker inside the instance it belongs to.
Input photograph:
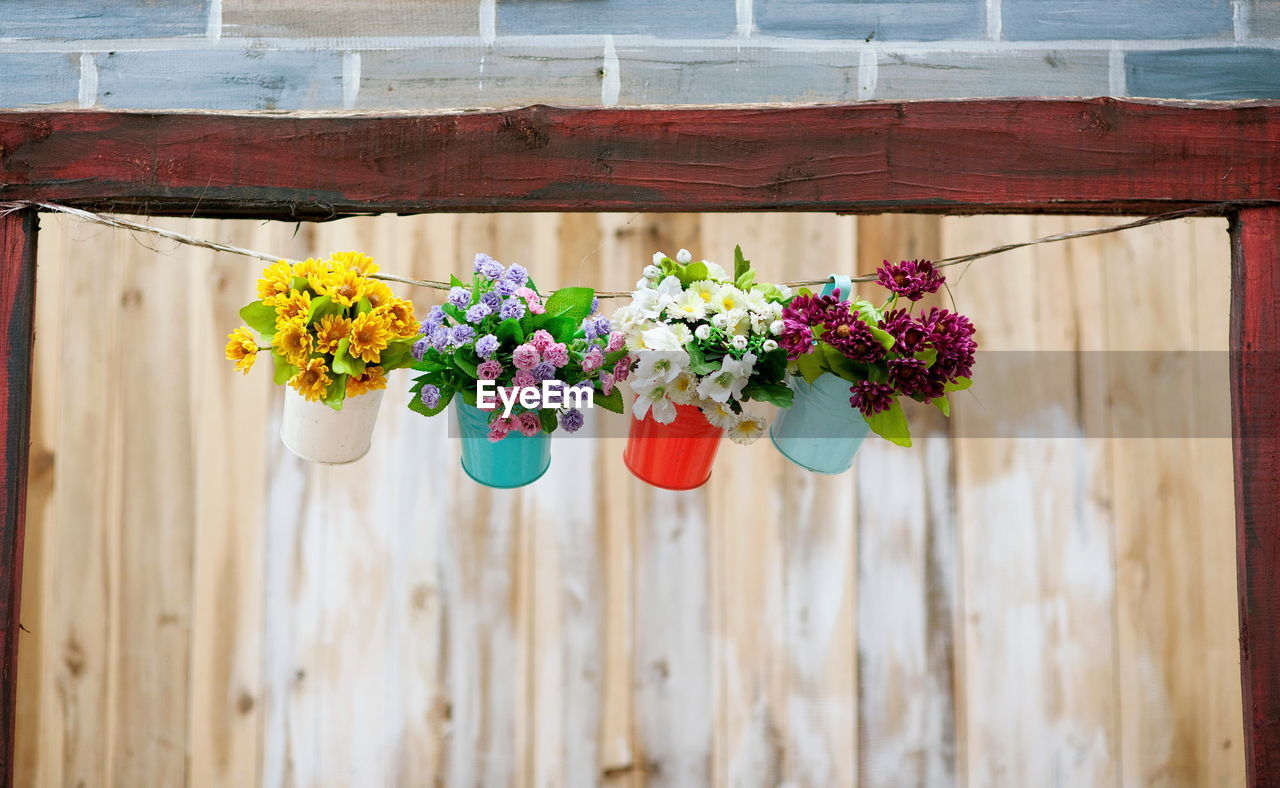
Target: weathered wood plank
(999, 155)
(1255, 384)
(17, 316)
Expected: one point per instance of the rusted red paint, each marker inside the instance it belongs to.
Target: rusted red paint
(1255, 385)
(17, 302)
(1006, 155)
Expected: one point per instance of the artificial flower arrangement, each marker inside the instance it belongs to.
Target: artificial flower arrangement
(334, 333)
(498, 333)
(882, 353)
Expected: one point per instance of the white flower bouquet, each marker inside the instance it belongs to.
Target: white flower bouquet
(706, 340)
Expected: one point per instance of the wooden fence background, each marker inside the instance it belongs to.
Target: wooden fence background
(201, 607)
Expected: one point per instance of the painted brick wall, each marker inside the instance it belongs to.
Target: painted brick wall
(436, 54)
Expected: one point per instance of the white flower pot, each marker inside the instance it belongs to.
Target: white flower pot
(318, 433)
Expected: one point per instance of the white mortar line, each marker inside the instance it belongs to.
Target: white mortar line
(611, 85)
(488, 21)
(1240, 19)
(88, 80)
(1116, 79)
(995, 20)
(214, 29)
(350, 79)
(868, 73)
(746, 18)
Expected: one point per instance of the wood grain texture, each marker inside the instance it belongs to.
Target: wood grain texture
(1255, 384)
(17, 316)
(1000, 155)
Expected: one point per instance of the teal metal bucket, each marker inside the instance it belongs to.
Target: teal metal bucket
(514, 461)
(820, 431)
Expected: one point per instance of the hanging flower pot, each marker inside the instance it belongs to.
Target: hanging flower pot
(675, 456)
(318, 433)
(513, 461)
(820, 432)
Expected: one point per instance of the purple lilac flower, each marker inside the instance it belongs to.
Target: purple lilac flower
(420, 348)
(557, 354)
(512, 308)
(571, 419)
(524, 356)
(517, 274)
(461, 335)
(434, 318)
(871, 398)
(488, 370)
(486, 346)
(544, 370)
(430, 395)
(491, 300)
(606, 383)
(439, 337)
(595, 304)
(478, 264)
(910, 278)
(478, 312)
(487, 266)
(460, 296)
(849, 335)
(505, 287)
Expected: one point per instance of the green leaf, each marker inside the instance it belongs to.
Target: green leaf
(397, 354)
(283, 369)
(885, 339)
(323, 306)
(960, 384)
(810, 367)
(612, 402)
(611, 359)
(416, 405)
(468, 395)
(840, 364)
(452, 311)
(548, 418)
(741, 264)
(746, 281)
(571, 302)
(337, 392)
(260, 317)
(562, 328)
(344, 363)
(465, 361)
(942, 404)
(928, 356)
(299, 283)
(772, 366)
(456, 282)
(867, 312)
(891, 425)
(698, 363)
(510, 329)
(772, 393)
(363, 306)
(694, 272)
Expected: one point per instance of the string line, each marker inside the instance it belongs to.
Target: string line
(1214, 209)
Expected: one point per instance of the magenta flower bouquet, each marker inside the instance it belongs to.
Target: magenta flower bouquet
(883, 352)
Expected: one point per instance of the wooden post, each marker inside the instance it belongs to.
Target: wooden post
(17, 315)
(1255, 387)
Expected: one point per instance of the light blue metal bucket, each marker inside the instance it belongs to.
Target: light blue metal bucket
(514, 461)
(821, 431)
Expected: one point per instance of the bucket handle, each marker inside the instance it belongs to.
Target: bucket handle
(844, 283)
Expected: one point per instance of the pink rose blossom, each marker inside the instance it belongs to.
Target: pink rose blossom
(525, 378)
(525, 356)
(616, 341)
(528, 424)
(533, 299)
(498, 429)
(542, 340)
(557, 354)
(622, 370)
(489, 370)
(593, 360)
(606, 383)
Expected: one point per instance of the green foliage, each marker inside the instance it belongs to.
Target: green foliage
(509, 330)
(466, 361)
(548, 418)
(810, 367)
(928, 356)
(773, 393)
(960, 384)
(867, 312)
(942, 404)
(283, 369)
(416, 405)
(397, 354)
(452, 311)
(693, 272)
(570, 302)
(612, 402)
(298, 283)
(322, 306)
(839, 364)
(336, 393)
(698, 363)
(562, 328)
(891, 425)
(885, 339)
(344, 363)
(363, 306)
(260, 317)
(741, 265)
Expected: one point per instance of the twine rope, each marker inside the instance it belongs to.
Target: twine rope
(1214, 209)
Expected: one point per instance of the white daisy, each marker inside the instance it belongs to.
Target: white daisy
(667, 336)
(706, 291)
(660, 366)
(748, 429)
(755, 302)
(719, 415)
(728, 298)
(727, 382)
(689, 306)
(652, 398)
(683, 388)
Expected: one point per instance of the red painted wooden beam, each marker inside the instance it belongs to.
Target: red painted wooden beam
(17, 302)
(1255, 384)
(1005, 155)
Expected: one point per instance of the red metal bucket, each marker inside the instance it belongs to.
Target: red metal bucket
(675, 456)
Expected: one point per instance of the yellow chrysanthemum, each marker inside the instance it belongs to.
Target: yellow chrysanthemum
(294, 305)
(331, 330)
(275, 281)
(312, 379)
(293, 341)
(399, 316)
(344, 286)
(378, 293)
(242, 348)
(372, 379)
(313, 270)
(370, 335)
(355, 261)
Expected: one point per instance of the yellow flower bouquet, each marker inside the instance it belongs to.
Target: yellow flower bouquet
(333, 333)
